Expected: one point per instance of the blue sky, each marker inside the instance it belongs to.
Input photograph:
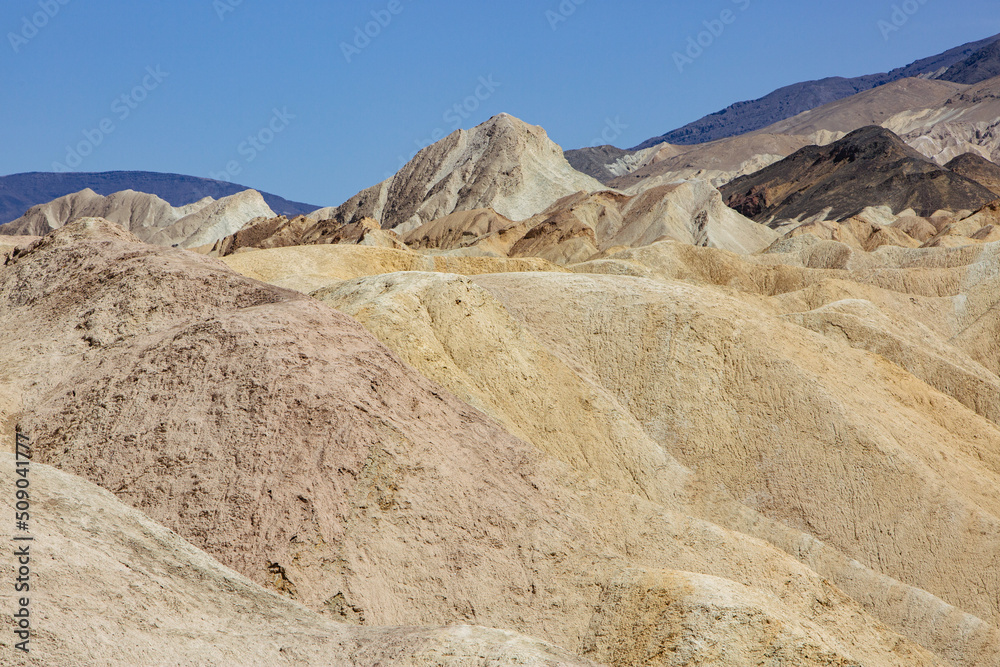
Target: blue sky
(183, 86)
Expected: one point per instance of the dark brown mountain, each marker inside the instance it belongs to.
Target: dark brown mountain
(789, 101)
(869, 167)
(979, 169)
(981, 65)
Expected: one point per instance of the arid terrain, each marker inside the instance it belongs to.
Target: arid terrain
(734, 404)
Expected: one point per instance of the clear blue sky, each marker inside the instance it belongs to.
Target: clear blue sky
(228, 64)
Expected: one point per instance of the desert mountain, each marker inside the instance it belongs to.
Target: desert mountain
(147, 216)
(585, 219)
(575, 228)
(717, 162)
(503, 164)
(281, 437)
(786, 102)
(280, 232)
(20, 192)
(215, 220)
(920, 86)
(941, 120)
(979, 169)
(653, 339)
(981, 65)
(460, 230)
(606, 163)
(132, 210)
(912, 106)
(310, 268)
(872, 107)
(688, 211)
(869, 167)
(490, 412)
(596, 161)
(969, 122)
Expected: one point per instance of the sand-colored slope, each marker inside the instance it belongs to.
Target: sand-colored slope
(150, 218)
(135, 211)
(955, 285)
(580, 226)
(281, 232)
(112, 587)
(774, 431)
(859, 232)
(458, 230)
(661, 609)
(455, 335)
(503, 164)
(717, 161)
(691, 212)
(967, 123)
(281, 437)
(878, 226)
(309, 268)
(911, 346)
(215, 221)
(9, 243)
(871, 107)
(950, 290)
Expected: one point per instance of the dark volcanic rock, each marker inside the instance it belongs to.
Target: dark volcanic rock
(979, 169)
(868, 167)
(982, 65)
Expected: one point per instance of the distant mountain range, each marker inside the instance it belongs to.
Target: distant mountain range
(981, 65)
(969, 63)
(20, 192)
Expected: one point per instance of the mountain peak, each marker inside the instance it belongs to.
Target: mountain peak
(506, 125)
(504, 164)
(870, 143)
